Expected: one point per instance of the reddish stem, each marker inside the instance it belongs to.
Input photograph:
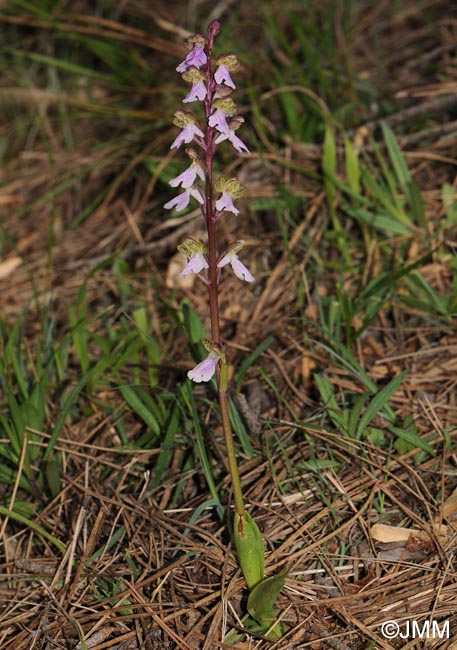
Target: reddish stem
(208, 208)
(213, 290)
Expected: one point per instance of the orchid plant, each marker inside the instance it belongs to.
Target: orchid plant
(212, 85)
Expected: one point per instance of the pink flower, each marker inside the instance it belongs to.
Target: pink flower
(187, 135)
(196, 57)
(222, 76)
(230, 189)
(226, 203)
(182, 200)
(238, 267)
(197, 92)
(187, 178)
(195, 253)
(223, 108)
(205, 370)
(226, 63)
(218, 120)
(197, 79)
(195, 264)
(231, 136)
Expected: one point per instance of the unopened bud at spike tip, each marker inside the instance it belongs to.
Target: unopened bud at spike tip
(214, 29)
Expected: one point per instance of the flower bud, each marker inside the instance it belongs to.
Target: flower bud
(222, 91)
(236, 122)
(214, 29)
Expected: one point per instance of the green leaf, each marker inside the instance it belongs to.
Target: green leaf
(352, 166)
(240, 430)
(329, 153)
(250, 360)
(419, 283)
(167, 451)
(31, 524)
(385, 223)
(412, 438)
(135, 402)
(326, 392)
(387, 196)
(52, 473)
(359, 403)
(249, 548)
(396, 157)
(262, 600)
(186, 394)
(193, 324)
(195, 332)
(64, 414)
(417, 204)
(449, 198)
(378, 402)
(112, 541)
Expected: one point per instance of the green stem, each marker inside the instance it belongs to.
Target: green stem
(228, 435)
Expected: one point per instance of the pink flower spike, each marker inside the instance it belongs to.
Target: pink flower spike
(222, 76)
(205, 370)
(226, 203)
(187, 135)
(196, 264)
(187, 178)
(197, 92)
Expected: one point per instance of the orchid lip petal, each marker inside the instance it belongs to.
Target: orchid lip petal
(182, 200)
(195, 58)
(222, 76)
(241, 271)
(205, 370)
(196, 264)
(226, 203)
(238, 267)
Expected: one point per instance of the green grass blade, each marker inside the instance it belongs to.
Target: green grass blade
(396, 157)
(325, 389)
(167, 443)
(76, 390)
(379, 402)
(11, 514)
(240, 430)
(352, 166)
(250, 360)
(135, 402)
(413, 439)
(186, 393)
